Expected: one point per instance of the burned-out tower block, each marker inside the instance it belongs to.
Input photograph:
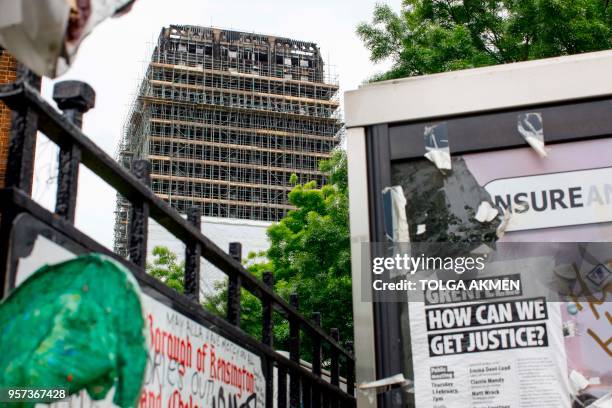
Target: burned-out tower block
(226, 118)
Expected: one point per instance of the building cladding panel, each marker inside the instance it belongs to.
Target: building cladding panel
(225, 118)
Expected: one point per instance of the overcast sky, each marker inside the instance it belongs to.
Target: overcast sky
(112, 60)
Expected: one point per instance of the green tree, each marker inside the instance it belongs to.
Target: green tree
(166, 268)
(429, 36)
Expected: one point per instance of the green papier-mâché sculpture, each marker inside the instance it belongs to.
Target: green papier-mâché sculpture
(75, 325)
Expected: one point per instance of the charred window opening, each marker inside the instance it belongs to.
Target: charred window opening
(446, 204)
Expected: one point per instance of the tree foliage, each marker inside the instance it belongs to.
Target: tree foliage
(167, 268)
(429, 36)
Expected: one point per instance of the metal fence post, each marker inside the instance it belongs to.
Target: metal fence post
(22, 142)
(294, 354)
(193, 253)
(316, 362)
(139, 219)
(350, 370)
(306, 400)
(282, 386)
(267, 338)
(335, 365)
(233, 287)
(74, 98)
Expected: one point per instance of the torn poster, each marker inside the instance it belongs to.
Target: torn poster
(486, 212)
(436, 145)
(370, 389)
(530, 126)
(446, 204)
(421, 228)
(394, 204)
(501, 230)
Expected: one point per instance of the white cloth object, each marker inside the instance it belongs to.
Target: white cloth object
(34, 31)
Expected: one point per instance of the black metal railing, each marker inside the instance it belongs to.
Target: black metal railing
(31, 113)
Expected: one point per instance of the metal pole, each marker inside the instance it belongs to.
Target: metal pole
(74, 98)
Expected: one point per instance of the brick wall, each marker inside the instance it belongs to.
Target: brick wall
(8, 72)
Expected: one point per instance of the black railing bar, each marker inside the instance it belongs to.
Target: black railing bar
(281, 375)
(56, 127)
(12, 197)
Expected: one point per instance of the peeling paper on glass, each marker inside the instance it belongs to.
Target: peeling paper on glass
(531, 127)
(437, 149)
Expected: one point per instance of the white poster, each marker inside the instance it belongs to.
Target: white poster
(488, 348)
(191, 366)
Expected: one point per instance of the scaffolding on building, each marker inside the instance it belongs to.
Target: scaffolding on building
(225, 118)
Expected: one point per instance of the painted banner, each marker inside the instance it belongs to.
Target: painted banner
(189, 366)
(192, 366)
